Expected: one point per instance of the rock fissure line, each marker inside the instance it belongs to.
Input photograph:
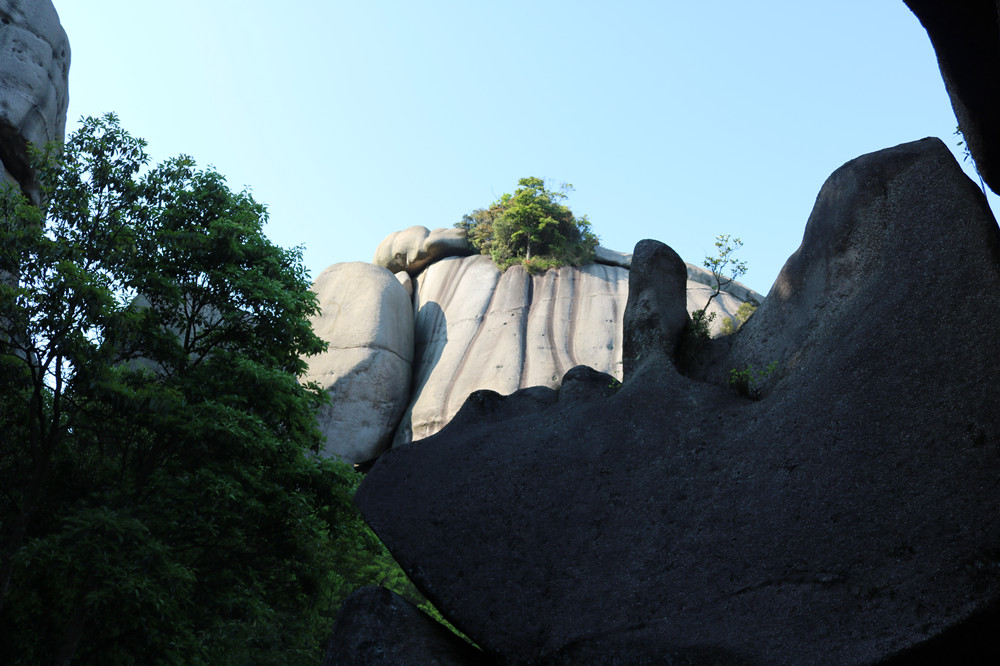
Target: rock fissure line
(371, 346)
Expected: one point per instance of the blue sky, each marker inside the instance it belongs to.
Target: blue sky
(675, 121)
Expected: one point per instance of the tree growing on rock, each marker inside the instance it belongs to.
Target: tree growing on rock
(160, 500)
(532, 227)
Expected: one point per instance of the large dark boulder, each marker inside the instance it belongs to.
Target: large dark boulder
(849, 516)
(966, 39)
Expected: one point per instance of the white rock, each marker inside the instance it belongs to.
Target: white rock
(407, 282)
(367, 319)
(478, 329)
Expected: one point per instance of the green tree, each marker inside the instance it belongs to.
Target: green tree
(531, 227)
(733, 324)
(160, 502)
(725, 269)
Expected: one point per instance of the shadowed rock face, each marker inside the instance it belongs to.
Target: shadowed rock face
(966, 39)
(34, 88)
(380, 628)
(847, 517)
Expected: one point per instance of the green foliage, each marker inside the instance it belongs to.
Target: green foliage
(724, 266)
(733, 324)
(698, 331)
(532, 228)
(161, 503)
(749, 382)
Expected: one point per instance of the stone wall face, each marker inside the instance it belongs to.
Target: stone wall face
(34, 86)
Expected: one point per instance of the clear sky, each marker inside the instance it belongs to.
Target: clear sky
(673, 120)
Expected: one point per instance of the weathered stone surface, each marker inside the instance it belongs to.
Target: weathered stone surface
(377, 627)
(603, 255)
(850, 516)
(367, 319)
(656, 312)
(34, 87)
(415, 248)
(478, 329)
(966, 38)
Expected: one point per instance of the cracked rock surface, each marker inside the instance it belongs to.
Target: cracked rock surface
(849, 516)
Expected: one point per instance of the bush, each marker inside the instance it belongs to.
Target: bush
(531, 228)
(733, 324)
(749, 382)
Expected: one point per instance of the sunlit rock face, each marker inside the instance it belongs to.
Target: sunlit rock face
(415, 248)
(479, 329)
(367, 320)
(34, 85)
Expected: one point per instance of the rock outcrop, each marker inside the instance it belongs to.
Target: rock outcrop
(966, 39)
(475, 328)
(850, 516)
(415, 248)
(367, 320)
(34, 89)
(479, 329)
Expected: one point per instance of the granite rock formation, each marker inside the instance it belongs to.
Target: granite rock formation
(478, 328)
(849, 516)
(475, 328)
(367, 320)
(34, 89)
(966, 39)
(415, 248)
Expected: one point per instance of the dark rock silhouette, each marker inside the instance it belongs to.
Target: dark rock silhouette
(966, 39)
(377, 627)
(849, 516)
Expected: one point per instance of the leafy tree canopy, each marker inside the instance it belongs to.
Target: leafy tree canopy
(532, 227)
(159, 500)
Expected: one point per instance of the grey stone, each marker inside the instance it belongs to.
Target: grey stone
(377, 627)
(415, 248)
(478, 329)
(850, 516)
(34, 87)
(702, 278)
(656, 313)
(367, 320)
(603, 255)
(964, 35)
